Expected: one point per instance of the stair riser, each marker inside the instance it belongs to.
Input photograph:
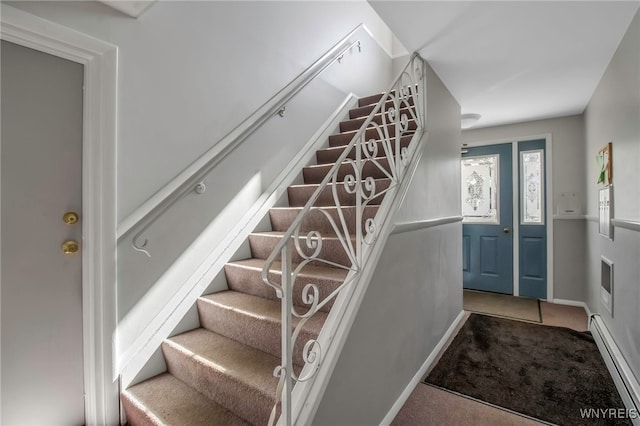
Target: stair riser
(330, 156)
(371, 133)
(282, 219)
(355, 124)
(136, 415)
(364, 111)
(351, 125)
(374, 99)
(255, 332)
(299, 195)
(249, 281)
(376, 170)
(222, 388)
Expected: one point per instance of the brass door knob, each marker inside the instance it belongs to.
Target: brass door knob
(70, 247)
(70, 218)
(506, 230)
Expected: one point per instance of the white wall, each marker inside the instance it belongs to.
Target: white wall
(568, 176)
(416, 291)
(189, 72)
(613, 115)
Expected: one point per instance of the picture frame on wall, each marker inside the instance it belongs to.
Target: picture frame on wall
(605, 164)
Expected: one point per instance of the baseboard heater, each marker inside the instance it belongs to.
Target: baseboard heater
(626, 383)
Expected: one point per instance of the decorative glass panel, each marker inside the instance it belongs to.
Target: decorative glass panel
(480, 189)
(531, 187)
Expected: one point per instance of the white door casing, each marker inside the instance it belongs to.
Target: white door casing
(98, 196)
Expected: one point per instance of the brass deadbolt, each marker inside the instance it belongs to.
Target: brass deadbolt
(70, 218)
(70, 247)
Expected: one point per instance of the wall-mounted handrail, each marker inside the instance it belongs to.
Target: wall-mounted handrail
(191, 179)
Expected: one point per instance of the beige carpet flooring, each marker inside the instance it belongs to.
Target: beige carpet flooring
(429, 405)
(501, 305)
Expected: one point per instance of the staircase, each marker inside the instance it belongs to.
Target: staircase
(222, 372)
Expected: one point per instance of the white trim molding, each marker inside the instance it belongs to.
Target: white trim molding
(100, 61)
(573, 303)
(400, 228)
(632, 225)
(426, 366)
(569, 217)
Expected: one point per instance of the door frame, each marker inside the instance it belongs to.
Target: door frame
(100, 61)
(516, 202)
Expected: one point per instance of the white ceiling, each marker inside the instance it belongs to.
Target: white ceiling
(513, 61)
(133, 8)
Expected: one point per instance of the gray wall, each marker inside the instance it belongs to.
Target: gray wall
(416, 291)
(613, 115)
(568, 176)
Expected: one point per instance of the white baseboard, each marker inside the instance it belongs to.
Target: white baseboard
(573, 303)
(624, 379)
(433, 356)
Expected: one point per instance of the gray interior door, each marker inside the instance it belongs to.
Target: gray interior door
(41, 285)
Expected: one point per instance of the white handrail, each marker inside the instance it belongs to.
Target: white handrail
(191, 178)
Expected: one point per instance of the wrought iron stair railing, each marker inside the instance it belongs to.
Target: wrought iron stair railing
(402, 104)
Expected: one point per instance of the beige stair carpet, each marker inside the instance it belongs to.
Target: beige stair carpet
(222, 372)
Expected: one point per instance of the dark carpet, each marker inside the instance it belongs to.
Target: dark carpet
(549, 373)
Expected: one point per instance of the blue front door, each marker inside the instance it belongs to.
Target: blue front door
(487, 207)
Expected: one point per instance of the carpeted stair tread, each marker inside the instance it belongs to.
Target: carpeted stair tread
(315, 219)
(344, 138)
(165, 400)
(314, 272)
(300, 194)
(253, 321)
(332, 154)
(236, 376)
(262, 245)
(371, 168)
(244, 276)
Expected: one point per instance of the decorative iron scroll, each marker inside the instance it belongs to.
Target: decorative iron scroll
(379, 148)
